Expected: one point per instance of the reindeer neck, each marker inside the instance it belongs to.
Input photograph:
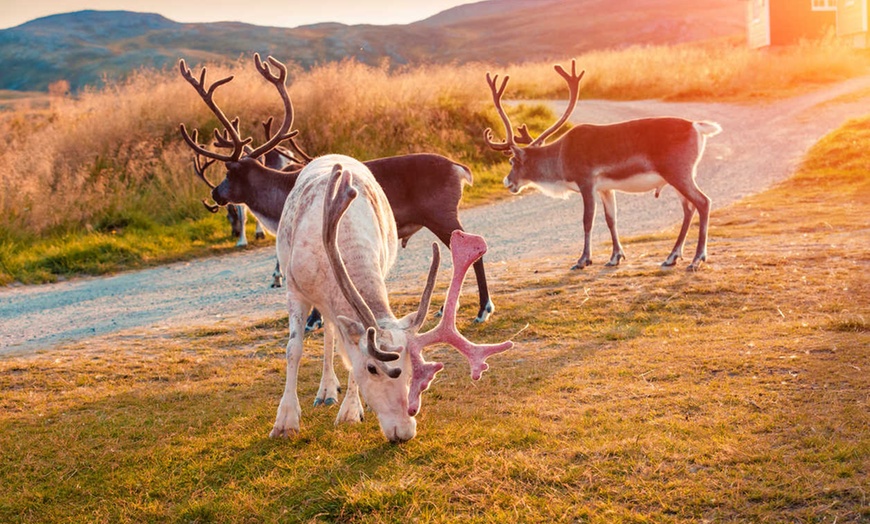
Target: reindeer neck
(547, 162)
(267, 202)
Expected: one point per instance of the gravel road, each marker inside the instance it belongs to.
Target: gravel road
(760, 145)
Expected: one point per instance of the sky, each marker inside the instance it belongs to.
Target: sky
(286, 13)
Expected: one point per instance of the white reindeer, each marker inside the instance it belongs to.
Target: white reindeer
(339, 267)
(634, 156)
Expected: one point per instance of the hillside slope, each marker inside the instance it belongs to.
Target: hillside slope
(84, 46)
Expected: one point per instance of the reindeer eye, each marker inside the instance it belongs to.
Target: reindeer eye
(372, 369)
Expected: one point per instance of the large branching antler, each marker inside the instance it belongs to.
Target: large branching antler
(340, 193)
(497, 93)
(573, 81)
(303, 158)
(524, 137)
(465, 249)
(230, 137)
(199, 168)
(278, 80)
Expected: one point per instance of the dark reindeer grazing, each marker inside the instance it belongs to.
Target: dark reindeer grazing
(635, 156)
(423, 189)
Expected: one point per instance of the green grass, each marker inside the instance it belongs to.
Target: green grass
(111, 249)
(735, 394)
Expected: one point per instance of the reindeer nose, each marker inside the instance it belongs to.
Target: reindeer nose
(400, 436)
(217, 198)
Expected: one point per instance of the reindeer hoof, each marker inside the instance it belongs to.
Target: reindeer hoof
(671, 261)
(259, 236)
(283, 432)
(313, 324)
(325, 402)
(484, 314)
(696, 264)
(581, 264)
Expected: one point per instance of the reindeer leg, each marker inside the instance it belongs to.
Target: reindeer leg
(696, 199)
(608, 201)
(677, 252)
(289, 412)
(242, 217)
(277, 276)
(259, 233)
(487, 308)
(327, 393)
(588, 217)
(703, 206)
(351, 410)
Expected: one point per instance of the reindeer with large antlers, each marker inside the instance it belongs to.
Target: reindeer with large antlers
(336, 242)
(423, 189)
(635, 156)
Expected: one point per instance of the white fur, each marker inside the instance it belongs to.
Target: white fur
(464, 174)
(367, 241)
(556, 188)
(639, 183)
(707, 128)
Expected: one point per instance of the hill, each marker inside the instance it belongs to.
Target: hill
(85, 46)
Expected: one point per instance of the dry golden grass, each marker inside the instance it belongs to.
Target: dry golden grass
(736, 394)
(723, 70)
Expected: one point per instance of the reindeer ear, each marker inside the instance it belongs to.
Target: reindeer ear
(407, 321)
(351, 329)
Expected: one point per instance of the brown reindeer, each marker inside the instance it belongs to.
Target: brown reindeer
(423, 189)
(634, 156)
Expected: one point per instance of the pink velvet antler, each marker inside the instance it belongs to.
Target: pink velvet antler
(465, 249)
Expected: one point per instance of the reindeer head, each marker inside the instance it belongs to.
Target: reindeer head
(526, 167)
(394, 392)
(242, 158)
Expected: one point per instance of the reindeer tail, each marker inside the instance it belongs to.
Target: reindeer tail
(707, 128)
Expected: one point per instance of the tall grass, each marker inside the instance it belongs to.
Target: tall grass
(111, 160)
(723, 70)
(115, 153)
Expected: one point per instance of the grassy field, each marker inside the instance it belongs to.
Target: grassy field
(103, 176)
(736, 394)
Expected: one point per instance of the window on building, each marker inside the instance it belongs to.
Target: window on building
(824, 5)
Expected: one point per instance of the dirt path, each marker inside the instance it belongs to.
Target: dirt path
(759, 146)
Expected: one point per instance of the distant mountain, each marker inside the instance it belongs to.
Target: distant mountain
(85, 46)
